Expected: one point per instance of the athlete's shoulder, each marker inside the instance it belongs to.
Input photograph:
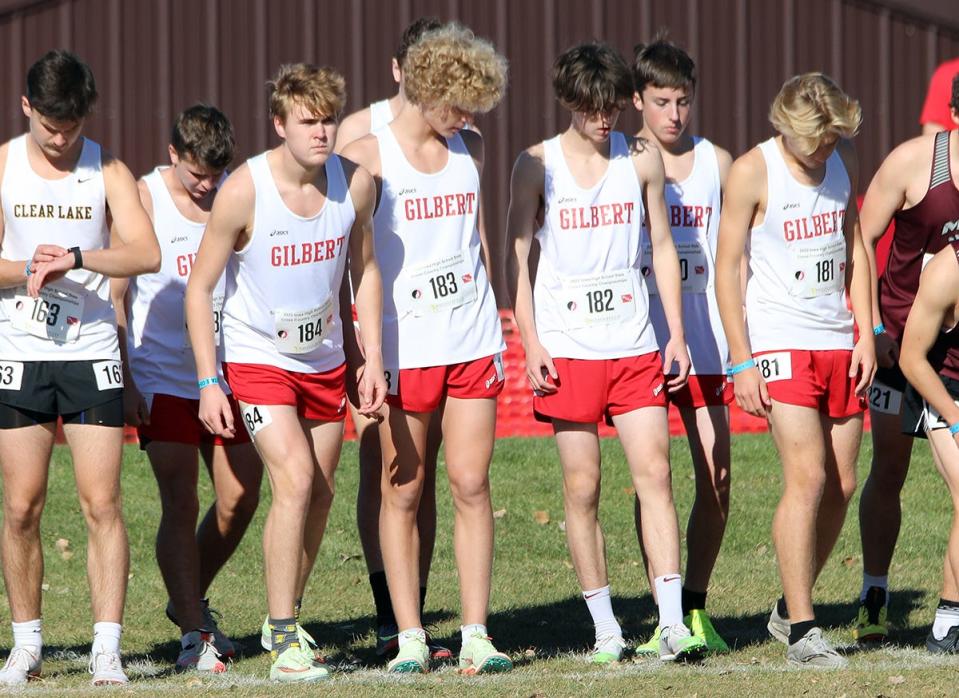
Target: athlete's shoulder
(363, 151)
(238, 189)
(530, 164)
(723, 157)
(910, 154)
(354, 126)
(358, 180)
(473, 141)
(748, 171)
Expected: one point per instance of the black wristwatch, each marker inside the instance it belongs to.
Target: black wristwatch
(77, 257)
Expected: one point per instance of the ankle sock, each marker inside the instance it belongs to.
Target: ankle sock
(669, 598)
(28, 634)
(798, 630)
(693, 600)
(106, 637)
(599, 603)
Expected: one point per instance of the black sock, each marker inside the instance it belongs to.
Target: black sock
(422, 601)
(283, 634)
(781, 608)
(693, 600)
(381, 599)
(798, 630)
(946, 603)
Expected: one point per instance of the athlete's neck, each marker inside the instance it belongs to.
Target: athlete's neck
(413, 126)
(397, 102)
(680, 146)
(286, 166)
(45, 164)
(181, 195)
(579, 145)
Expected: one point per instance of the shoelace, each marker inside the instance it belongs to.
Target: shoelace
(20, 658)
(112, 662)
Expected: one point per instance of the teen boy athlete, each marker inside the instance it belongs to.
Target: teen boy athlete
(161, 396)
(59, 355)
(665, 81)
(591, 351)
(281, 226)
(792, 200)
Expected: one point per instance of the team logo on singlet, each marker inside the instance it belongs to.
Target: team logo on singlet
(950, 227)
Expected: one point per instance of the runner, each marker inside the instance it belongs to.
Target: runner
(59, 356)
(161, 398)
(590, 348)
(281, 226)
(792, 200)
(436, 286)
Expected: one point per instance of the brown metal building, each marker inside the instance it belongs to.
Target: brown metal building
(154, 57)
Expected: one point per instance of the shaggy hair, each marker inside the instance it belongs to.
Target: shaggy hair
(810, 108)
(322, 91)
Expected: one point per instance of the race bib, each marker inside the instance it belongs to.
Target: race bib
(884, 399)
(54, 315)
(776, 366)
(11, 375)
(109, 374)
(819, 270)
(256, 417)
(217, 319)
(392, 376)
(302, 331)
(598, 299)
(441, 284)
(693, 267)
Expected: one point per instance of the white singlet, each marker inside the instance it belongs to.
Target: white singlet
(438, 306)
(590, 297)
(795, 291)
(282, 289)
(73, 318)
(161, 357)
(693, 207)
(380, 114)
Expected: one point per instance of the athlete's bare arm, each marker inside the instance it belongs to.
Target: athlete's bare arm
(475, 145)
(353, 127)
(12, 272)
(858, 276)
(229, 228)
(365, 152)
(368, 289)
(724, 160)
(652, 177)
(744, 206)
(933, 309)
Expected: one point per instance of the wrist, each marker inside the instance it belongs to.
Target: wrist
(878, 330)
(77, 257)
(954, 428)
(26, 269)
(742, 366)
(207, 382)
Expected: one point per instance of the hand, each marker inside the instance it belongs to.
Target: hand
(751, 392)
(887, 351)
(371, 387)
(45, 272)
(863, 363)
(47, 253)
(539, 368)
(675, 352)
(135, 409)
(215, 412)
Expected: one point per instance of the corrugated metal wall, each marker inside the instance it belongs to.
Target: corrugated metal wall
(153, 57)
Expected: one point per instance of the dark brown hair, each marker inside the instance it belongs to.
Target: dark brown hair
(592, 78)
(205, 134)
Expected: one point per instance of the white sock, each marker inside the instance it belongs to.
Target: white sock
(600, 606)
(468, 631)
(106, 638)
(946, 618)
(669, 598)
(411, 634)
(27, 634)
(869, 580)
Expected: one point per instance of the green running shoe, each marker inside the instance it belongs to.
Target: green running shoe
(307, 643)
(478, 656)
(702, 627)
(413, 657)
(871, 623)
(677, 644)
(650, 648)
(608, 650)
(295, 666)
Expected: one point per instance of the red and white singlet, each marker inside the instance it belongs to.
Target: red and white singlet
(438, 305)
(161, 357)
(73, 319)
(693, 206)
(795, 291)
(282, 290)
(590, 298)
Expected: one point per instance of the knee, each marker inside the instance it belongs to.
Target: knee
(103, 510)
(654, 478)
(238, 506)
(839, 492)
(470, 487)
(405, 498)
(581, 492)
(294, 488)
(22, 516)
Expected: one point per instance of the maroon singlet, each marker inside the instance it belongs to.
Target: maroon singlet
(922, 230)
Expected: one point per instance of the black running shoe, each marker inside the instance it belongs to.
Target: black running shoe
(947, 645)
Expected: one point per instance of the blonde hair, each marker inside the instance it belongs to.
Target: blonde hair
(450, 67)
(322, 91)
(810, 107)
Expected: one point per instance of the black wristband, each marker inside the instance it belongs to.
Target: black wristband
(77, 257)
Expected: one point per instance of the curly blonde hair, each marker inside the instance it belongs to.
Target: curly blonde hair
(320, 90)
(810, 107)
(450, 67)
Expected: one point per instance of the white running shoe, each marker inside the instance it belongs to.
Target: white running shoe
(813, 650)
(778, 626)
(221, 642)
(107, 669)
(22, 665)
(199, 653)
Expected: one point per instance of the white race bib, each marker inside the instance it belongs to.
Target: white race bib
(441, 284)
(109, 374)
(693, 267)
(884, 399)
(11, 375)
(217, 324)
(819, 270)
(775, 366)
(54, 315)
(392, 376)
(302, 331)
(256, 417)
(598, 299)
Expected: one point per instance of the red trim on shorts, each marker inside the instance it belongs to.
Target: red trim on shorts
(820, 380)
(423, 389)
(318, 396)
(703, 391)
(590, 390)
(175, 420)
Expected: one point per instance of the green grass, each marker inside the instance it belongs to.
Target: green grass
(537, 614)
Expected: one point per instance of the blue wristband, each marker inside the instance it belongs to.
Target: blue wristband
(954, 429)
(739, 368)
(207, 381)
(879, 329)
(26, 269)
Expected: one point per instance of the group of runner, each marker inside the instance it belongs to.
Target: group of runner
(349, 265)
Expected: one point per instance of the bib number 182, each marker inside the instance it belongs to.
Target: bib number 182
(600, 300)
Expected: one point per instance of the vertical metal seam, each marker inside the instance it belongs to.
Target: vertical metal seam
(549, 53)
(114, 80)
(789, 38)
(356, 46)
(500, 131)
(693, 44)
(884, 60)
(212, 50)
(932, 41)
(837, 43)
(163, 115)
(742, 96)
(65, 24)
(309, 31)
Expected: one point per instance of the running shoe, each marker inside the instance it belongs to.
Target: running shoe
(224, 645)
(871, 624)
(949, 644)
(22, 664)
(387, 640)
(107, 669)
(608, 650)
(701, 626)
(198, 653)
(295, 666)
(413, 657)
(813, 650)
(778, 626)
(650, 648)
(478, 656)
(676, 643)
